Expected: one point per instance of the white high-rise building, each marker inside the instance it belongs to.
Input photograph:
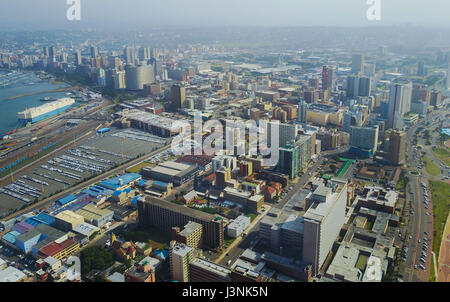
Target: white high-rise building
(323, 222)
(399, 104)
(180, 257)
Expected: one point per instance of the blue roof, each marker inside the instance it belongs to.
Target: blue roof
(117, 193)
(11, 236)
(67, 199)
(160, 183)
(142, 182)
(32, 221)
(114, 183)
(134, 200)
(44, 218)
(163, 253)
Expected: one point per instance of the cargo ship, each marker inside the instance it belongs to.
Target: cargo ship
(45, 111)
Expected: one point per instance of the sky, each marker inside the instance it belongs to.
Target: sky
(133, 14)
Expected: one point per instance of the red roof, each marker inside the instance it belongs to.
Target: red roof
(51, 249)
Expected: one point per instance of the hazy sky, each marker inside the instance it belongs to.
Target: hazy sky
(113, 14)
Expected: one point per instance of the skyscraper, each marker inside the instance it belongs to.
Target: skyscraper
(364, 140)
(78, 59)
(327, 78)
(46, 51)
(399, 104)
(138, 76)
(365, 86)
(302, 111)
(94, 51)
(177, 96)
(289, 161)
(397, 146)
(128, 54)
(358, 63)
(52, 52)
(144, 54)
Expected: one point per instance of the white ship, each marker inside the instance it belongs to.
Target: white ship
(47, 110)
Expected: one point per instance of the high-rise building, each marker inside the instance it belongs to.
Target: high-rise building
(138, 76)
(302, 111)
(364, 140)
(46, 51)
(288, 163)
(323, 221)
(365, 86)
(358, 63)
(94, 52)
(327, 78)
(78, 58)
(128, 54)
(144, 54)
(421, 70)
(399, 104)
(52, 52)
(177, 96)
(180, 257)
(397, 144)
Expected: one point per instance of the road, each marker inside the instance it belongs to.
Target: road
(417, 221)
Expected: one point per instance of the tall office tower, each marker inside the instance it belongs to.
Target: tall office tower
(46, 51)
(138, 76)
(144, 54)
(302, 111)
(180, 257)
(286, 133)
(364, 140)
(436, 98)
(448, 76)
(365, 86)
(289, 160)
(119, 80)
(323, 221)
(399, 104)
(52, 52)
(352, 86)
(78, 58)
(397, 144)
(154, 53)
(421, 71)
(113, 62)
(128, 54)
(358, 63)
(94, 52)
(327, 78)
(177, 96)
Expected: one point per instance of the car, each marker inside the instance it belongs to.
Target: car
(415, 266)
(426, 233)
(419, 241)
(422, 267)
(410, 237)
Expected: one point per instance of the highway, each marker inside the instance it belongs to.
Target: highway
(418, 222)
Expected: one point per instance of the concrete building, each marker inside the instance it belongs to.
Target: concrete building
(323, 221)
(95, 216)
(358, 63)
(237, 226)
(192, 234)
(364, 140)
(399, 104)
(177, 96)
(138, 76)
(153, 212)
(67, 220)
(181, 255)
(397, 146)
(169, 171)
(201, 270)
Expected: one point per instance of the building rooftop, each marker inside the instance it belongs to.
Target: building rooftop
(11, 274)
(212, 267)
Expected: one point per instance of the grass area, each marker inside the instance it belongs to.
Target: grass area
(443, 154)
(431, 167)
(440, 192)
(362, 262)
(137, 168)
(228, 240)
(252, 216)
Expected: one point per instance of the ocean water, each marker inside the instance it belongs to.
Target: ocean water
(26, 84)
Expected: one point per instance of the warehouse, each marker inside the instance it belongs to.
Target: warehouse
(95, 216)
(67, 220)
(168, 171)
